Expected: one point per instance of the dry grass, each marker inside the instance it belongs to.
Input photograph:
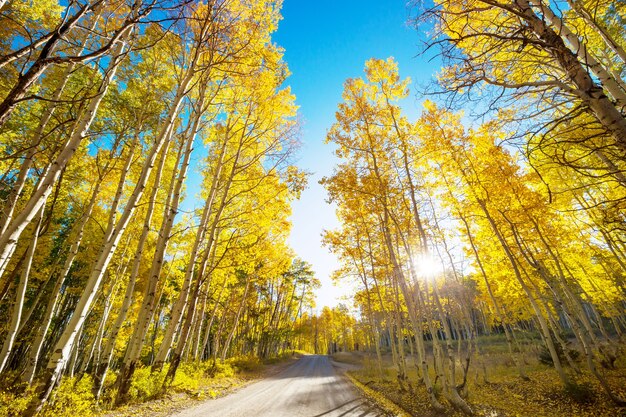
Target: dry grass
(501, 392)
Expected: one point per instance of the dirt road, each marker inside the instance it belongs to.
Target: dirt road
(309, 388)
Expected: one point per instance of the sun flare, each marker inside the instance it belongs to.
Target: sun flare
(426, 266)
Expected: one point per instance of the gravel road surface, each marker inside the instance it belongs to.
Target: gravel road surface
(309, 388)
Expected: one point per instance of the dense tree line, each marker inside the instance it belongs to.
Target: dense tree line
(453, 230)
(113, 115)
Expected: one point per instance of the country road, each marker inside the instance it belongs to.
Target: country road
(309, 388)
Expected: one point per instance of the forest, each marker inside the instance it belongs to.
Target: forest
(148, 167)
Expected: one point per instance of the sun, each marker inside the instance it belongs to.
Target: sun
(426, 266)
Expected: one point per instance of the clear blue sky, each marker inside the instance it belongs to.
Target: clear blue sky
(325, 43)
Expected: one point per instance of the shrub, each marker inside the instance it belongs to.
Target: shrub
(220, 370)
(189, 376)
(146, 385)
(246, 363)
(582, 393)
(13, 405)
(73, 397)
(546, 358)
(282, 356)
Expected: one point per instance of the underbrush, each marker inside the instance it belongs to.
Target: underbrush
(284, 356)
(353, 358)
(12, 404)
(196, 380)
(246, 363)
(73, 397)
(146, 385)
(501, 392)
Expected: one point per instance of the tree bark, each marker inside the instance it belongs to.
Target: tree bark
(587, 90)
(8, 240)
(16, 313)
(103, 364)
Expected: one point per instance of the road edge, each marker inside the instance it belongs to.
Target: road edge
(175, 402)
(377, 398)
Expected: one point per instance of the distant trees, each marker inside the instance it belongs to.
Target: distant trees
(331, 330)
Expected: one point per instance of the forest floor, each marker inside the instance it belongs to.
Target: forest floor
(496, 390)
(180, 397)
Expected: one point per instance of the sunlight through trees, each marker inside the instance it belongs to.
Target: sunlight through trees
(148, 166)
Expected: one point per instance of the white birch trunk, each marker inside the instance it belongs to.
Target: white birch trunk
(586, 90)
(205, 341)
(119, 192)
(142, 325)
(136, 341)
(615, 87)
(16, 314)
(37, 344)
(103, 364)
(95, 347)
(542, 321)
(181, 302)
(236, 320)
(64, 345)
(7, 213)
(145, 314)
(8, 240)
(604, 34)
(164, 349)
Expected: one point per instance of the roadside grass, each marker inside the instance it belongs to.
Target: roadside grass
(202, 381)
(381, 400)
(499, 391)
(193, 382)
(352, 358)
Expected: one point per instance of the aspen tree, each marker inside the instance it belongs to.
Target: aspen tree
(8, 239)
(552, 66)
(42, 330)
(46, 57)
(142, 324)
(16, 313)
(103, 364)
(17, 187)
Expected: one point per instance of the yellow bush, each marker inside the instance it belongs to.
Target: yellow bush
(188, 377)
(73, 397)
(246, 363)
(13, 404)
(146, 384)
(220, 370)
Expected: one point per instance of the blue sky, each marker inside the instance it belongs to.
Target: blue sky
(325, 43)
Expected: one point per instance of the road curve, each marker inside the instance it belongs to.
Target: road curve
(308, 388)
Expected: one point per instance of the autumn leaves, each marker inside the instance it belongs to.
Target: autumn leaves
(105, 266)
(410, 192)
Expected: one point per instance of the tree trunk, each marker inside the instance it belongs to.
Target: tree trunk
(16, 189)
(41, 332)
(136, 342)
(8, 240)
(540, 318)
(103, 364)
(613, 86)
(587, 90)
(236, 320)
(64, 345)
(16, 313)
